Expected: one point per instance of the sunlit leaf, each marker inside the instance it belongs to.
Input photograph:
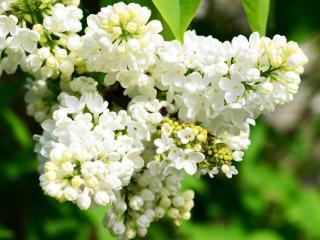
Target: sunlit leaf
(178, 14)
(257, 12)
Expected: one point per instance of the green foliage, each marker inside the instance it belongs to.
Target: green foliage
(6, 233)
(18, 128)
(29, 10)
(178, 14)
(257, 12)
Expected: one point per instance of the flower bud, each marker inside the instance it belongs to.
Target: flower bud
(154, 26)
(76, 181)
(186, 216)
(70, 193)
(142, 232)
(102, 198)
(136, 203)
(165, 202)
(67, 167)
(173, 213)
(159, 212)
(84, 201)
(150, 213)
(178, 201)
(131, 233)
(119, 228)
(143, 221)
(131, 27)
(147, 195)
(188, 205)
(121, 206)
(52, 189)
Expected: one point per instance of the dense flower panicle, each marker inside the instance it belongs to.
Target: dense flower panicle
(225, 85)
(88, 151)
(150, 197)
(121, 42)
(45, 51)
(121, 39)
(155, 111)
(16, 43)
(57, 56)
(63, 19)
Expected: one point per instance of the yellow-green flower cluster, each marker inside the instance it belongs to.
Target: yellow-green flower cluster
(200, 134)
(217, 154)
(197, 139)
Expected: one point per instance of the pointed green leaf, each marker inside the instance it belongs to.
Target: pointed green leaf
(17, 126)
(178, 14)
(257, 12)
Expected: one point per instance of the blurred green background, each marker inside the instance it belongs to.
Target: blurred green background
(275, 196)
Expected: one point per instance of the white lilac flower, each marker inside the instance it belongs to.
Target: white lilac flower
(229, 171)
(237, 155)
(186, 135)
(188, 161)
(163, 144)
(193, 106)
(146, 110)
(63, 19)
(51, 63)
(195, 82)
(122, 37)
(25, 39)
(151, 196)
(9, 65)
(83, 84)
(166, 129)
(233, 88)
(8, 25)
(213, 171)
(89, 162)
(203, 78)
(174, 79)
(3, 43)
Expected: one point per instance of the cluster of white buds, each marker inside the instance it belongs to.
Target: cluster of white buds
(40, 99)
(150, 197)
(125, 114)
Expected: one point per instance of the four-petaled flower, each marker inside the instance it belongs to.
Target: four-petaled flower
(186, 135)
(233, 87)
(188, 161)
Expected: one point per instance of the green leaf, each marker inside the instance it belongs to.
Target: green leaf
(266, 234)
(17, 127)
(210, 231)
(6, 233)
(304, 212)
(178, 14)
(257, 12)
